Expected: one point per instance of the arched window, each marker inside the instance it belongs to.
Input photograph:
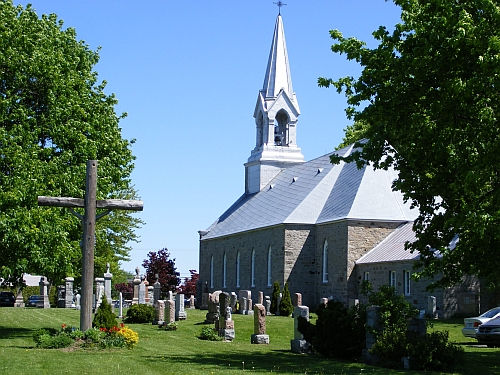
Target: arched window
(325, 262)
(238, 269)
(212, 271)
(281, 129)
(252, 269)
(224, 268)
(269, 267)
(260, 130)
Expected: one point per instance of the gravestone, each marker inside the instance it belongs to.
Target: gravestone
(180, 313)
(159, 312)
(323, 301)
(234, 298)
(142, 293)
(169, 311)
(145, 287)
(259, 326)
(297, 300)
(19, 300)
(213, 308)
(107, 285)
(244, 294)
(353, 302)
(372, 324)
(431, 307)
(249, 307)
(226, 324)
(156, 291)
(151, 295)
(43, 302)
(77, 301)
(69, 296)
(191, 302)
(61, 298)
(268, 305)
(137, 282)
(171, 295)
(260, 298)
(298, 344)
(99, 291)
(120, 306)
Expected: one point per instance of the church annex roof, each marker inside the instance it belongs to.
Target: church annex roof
(316, 192)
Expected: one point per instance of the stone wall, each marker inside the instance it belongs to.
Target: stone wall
(461, 299)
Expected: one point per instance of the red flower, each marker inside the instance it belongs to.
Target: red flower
(122, 325)
(63, 326)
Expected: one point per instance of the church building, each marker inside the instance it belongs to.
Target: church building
(322, 228)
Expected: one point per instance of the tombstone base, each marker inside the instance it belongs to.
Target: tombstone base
(19, 301)
(406, 362)
(158, 322)
(249, 312)
(300, 346)
(181, 315)
(260, 339)
(227, 334)
(211, 317)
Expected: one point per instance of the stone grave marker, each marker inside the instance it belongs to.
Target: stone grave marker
(244, 294)
(298, 344)
(180, 313)
(43, 302)
(69, 281)
(169, 311)
(159, 313)
(297, 300)
(99, 291)
(259, 326)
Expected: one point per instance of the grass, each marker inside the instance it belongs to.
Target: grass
(181, 352)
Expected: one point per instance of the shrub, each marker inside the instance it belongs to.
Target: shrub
(104, 316)
(55, 342)
(274, 297)
(140, 314)
(433, 352)
(131, 337)
(93, 336)
(37, 335)
(172, 326)
(286, 307)
(210, 334)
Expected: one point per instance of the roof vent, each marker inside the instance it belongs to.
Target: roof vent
(320, 170)
(271, 186)
(294, 179)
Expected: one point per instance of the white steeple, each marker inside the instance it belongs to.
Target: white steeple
(276, 115)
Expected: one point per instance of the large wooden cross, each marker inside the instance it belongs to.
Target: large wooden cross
(89, 218)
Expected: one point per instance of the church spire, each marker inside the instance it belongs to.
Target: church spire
(278, 69)
(276, 115)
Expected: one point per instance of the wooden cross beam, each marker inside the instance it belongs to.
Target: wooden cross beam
(90, 204)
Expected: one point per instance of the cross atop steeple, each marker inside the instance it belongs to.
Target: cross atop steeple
(279, 4)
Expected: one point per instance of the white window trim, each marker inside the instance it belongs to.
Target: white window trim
(269, 266)
(392, 278)
(212, 271)
(366, 276)
(238, 270)
(325, 262)
(407, 278)
(252, 269)
(224, 270)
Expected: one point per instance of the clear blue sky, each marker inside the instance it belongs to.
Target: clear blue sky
(188, 74)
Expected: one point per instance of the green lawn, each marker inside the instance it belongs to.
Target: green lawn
(181, 352)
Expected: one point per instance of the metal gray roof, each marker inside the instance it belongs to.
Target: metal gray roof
(316, 192)
(392, 248)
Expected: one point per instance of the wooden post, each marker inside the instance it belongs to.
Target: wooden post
(89, 220)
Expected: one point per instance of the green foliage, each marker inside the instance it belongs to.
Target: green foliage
(434, 352)
(104, 316)
(172, 326)
(429, 93)
(275, 297)
(353, 133)
(54, 116)
(55, 342)
(286, 307)
(339, 331)
(209, 334)
(140, 313)
(41, 332)
(93, 336)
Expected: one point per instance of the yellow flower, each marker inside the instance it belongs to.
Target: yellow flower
(131, 337)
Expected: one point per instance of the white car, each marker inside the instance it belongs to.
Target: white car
(471, 324)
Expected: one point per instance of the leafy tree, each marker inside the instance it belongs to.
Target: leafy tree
(275, 297)
(429, 92)
(286, 306)
(353, 133)
(188, 288)
(161, 264)
(127, 290)
(54, 116)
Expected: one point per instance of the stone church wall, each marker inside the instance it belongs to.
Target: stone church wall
(258, 240)
(461, 299)
(348, 240)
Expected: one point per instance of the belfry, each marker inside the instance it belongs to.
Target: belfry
(276, 115)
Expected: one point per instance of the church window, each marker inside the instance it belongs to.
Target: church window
(366, 276)
(281, 129)
(260, 130)
(238, 269)
(212, 271)
(252, 269)
(325, 262)
(392, 278)
(269, 267)
(407, 278)
(224, 269)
